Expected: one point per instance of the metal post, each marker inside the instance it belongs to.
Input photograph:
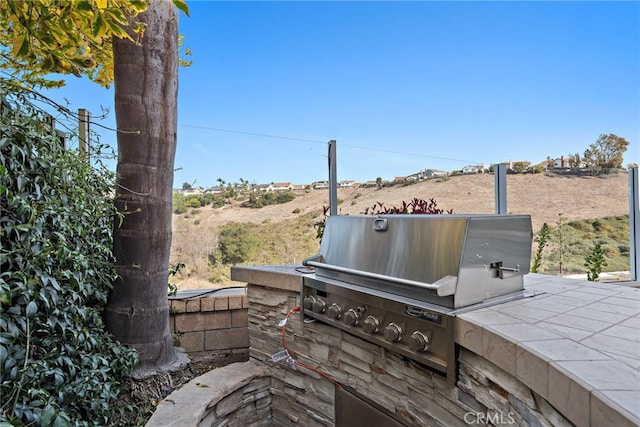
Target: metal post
(333, 179)
(83, 132)
(634, 223)
(500, 175)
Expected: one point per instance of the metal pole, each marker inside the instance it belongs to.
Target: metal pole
(634, 223)
(333, 180)
(500, 180)
(83, 132)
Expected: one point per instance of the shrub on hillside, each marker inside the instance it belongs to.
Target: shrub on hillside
(58, 365)
(236, 243)
(266, 198)
(182, 203)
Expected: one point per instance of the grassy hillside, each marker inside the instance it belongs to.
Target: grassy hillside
(573, 242)
(587, 210)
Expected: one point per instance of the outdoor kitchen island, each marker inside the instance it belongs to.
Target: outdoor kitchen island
(570, 354)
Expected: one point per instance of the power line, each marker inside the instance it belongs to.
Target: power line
(359, 147)
(254, 134)
(406, 153)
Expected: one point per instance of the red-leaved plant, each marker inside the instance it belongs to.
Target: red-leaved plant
(415, 206)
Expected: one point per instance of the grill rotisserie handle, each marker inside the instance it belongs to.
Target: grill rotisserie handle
(443, 287)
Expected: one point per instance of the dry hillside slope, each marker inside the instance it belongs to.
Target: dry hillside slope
(543, 197)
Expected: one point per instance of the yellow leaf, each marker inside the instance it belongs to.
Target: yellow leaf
(99, 26)
(20, 46)
(17, 44)
(102, 4)
(137, 6)
(47, 63)
(182, 5)
(116, 16)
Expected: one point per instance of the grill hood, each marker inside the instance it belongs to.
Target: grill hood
(449, 260)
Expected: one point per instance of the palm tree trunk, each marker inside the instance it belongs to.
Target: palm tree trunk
(146, 90)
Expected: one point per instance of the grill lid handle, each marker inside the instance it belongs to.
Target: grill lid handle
(443, 287)
(446, 285)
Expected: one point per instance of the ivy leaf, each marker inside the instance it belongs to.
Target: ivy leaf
(48, 413)
(21, 182)
(5, 296)
(61, 422)
(3, 354)
(32, 309)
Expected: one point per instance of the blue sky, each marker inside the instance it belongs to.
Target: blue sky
(401, 86)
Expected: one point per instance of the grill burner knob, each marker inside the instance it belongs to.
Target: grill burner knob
(351, 317)
(335, 311)
(319, 306)
(419, 342)
(307, 302)
(370, 325)
(392, 332)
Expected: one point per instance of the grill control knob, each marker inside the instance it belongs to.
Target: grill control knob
(419, 341)
(335, 311)
(370, 325)
(351, 317)
(319, 306)
(307, 302)
(392, 332)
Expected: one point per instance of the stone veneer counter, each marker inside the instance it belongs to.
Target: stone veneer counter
(575, 343)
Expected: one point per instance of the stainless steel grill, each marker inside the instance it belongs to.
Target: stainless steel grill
(398, 280)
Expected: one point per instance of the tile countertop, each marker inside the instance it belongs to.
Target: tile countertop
(576, 343)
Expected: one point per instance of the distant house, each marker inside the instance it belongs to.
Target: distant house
(370, 184)
(282, 186)
(277, 186)
(320, 185)
(547, 164)
(213, 190)
(561, 163)
(400, 178)
(434, 173)
(261, 187)
(519, 166)
(418, 176)
(191, 191)
(347, 184)
(469, 169)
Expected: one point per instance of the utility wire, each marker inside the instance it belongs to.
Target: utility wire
(254, 134)
(359, 147)
(405, 153)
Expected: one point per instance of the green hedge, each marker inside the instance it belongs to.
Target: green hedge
(58, 365)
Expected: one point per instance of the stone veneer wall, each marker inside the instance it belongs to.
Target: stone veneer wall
(236, 395)
(485, 394)
(212, 326)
